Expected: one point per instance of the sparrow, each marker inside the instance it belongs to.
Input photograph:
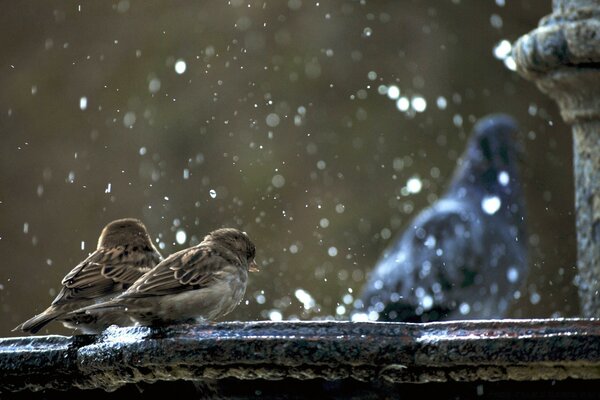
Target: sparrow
(465, 256)
(124, 253)
(203, 282)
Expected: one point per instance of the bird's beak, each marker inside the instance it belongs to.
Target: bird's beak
(253, 267)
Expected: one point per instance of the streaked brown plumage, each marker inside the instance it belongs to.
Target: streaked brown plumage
(203, 282)
(124, 253)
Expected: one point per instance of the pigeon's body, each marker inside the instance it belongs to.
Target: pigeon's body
(466, 255)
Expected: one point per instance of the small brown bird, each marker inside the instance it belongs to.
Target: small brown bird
(203, 282)
(124, 253)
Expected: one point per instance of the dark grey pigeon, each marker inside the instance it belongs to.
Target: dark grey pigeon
(466, 255)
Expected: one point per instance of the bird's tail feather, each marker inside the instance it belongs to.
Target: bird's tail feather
(33, 325)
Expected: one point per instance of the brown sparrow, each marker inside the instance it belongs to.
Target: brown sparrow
(124, 253)
(203, 282)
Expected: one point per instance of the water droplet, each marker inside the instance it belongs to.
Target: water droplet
(441, 102)
(427, 302)
(502, 49)
(154, 85)
(180, 66)
(393, 92)
(129, 119)
(278, 181)
(403, 104)
(272, 120)
(275, 315)
(491, 204)
(512, 274)
(419, 103)
(414, 185)
(503, 178)
(180, 236)
(464, 308)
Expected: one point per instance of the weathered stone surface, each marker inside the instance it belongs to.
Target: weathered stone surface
(562, 56)
(372, 353)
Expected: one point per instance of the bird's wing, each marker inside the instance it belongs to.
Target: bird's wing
(105, 272)
(446, 246)
(192, 268)
(432, 250)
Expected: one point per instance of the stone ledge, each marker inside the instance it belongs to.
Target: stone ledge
(459, 351)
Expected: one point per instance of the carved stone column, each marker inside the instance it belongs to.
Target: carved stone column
(562, 56)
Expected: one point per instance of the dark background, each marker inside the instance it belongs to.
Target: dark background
(272, 89)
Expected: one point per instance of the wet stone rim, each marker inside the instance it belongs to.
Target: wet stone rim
(562, 40)
(461, 351)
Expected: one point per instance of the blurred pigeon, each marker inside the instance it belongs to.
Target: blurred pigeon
(466, 255)
(124, 253)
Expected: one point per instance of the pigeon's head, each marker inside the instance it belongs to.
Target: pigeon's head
(490, 162)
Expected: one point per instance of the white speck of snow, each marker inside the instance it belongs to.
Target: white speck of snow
(414, 185)
(180, 66)
(340, 310)
(108, 188)
(393, 92)
(324, 222)
(186, 173)
(83, 102)
(82, 245)
(26, 227)
(180, 236)
(339, 208)
(535, 298)
(503, 178)
(332, 251)
(212, 193)
(491, 204)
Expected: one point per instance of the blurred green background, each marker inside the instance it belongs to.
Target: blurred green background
(143, 108)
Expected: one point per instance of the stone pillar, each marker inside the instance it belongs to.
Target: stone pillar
(562, 56)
